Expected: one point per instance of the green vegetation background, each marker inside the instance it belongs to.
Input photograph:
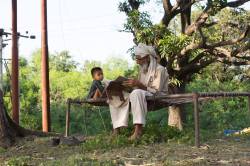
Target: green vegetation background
(70, 80)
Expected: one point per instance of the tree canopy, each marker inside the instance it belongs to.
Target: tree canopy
(206, 32)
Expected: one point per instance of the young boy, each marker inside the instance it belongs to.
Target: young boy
(96, 88)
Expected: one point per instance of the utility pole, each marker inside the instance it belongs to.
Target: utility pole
(45, 69)
(2, 45)
(15, 65)
(1, 59)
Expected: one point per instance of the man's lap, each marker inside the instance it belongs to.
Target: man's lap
(139, 92)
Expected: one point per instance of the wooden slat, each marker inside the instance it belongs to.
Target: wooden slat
(170, 99)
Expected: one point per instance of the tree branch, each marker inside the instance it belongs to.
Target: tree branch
(198, 23)
(198, 57)
(202, 18)
(134, 4)
(167, 6)
(207, 25)
(235, 63)
(224, 57)
(241, 49)
(189, 47)
(220, 54)
(192, 68)
(172, 11)
(204, 45)
(232, 41)
(194, 45)
(235, 4)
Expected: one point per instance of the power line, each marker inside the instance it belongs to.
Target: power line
(84, 19)
(61, 24)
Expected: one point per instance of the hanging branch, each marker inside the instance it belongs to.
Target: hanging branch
(202, 18)
(171, 11)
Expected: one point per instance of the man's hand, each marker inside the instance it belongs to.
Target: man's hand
(131, 83)
(134, 83)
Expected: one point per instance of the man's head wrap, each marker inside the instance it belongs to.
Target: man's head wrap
(143, 50)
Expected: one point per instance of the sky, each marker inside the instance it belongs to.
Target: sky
(88, 29)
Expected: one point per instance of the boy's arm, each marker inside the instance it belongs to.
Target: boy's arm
(91, 91)
(98, 85)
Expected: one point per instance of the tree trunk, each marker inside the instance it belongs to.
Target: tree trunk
(174, 117)
(6, 136)
(185, 15)
(176, 113)
(9, 130)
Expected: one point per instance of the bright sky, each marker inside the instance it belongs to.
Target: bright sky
(88, 29)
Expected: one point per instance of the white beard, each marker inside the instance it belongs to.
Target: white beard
(144, 68)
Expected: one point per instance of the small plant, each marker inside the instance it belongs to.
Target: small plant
(18, 161)
(2, 150)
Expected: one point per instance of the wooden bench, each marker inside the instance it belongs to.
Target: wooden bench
(157, 102)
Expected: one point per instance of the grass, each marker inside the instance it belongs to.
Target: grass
(2, 150)
(72, 160)
(159, 144)
(99, 151)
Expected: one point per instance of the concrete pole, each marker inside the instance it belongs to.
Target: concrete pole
(15, 64)
(45, 69)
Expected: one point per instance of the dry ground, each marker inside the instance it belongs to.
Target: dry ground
(38, 151)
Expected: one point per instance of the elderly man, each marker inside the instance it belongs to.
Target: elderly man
(153, 79)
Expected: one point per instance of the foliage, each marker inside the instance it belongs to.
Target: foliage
(31, 119)
(225, 113)
(216, 115)
(135, 20)
(62, 62)
(68, 80)
(2, 150)
(187, 51)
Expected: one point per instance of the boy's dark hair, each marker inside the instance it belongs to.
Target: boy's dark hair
(95, 69)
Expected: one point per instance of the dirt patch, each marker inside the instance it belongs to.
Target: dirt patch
(35, 151)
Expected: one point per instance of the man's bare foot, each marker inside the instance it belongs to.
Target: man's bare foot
(135, 136)
(137, 132)
(116, 132)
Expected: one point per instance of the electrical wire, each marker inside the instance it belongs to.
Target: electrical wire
(61, 24)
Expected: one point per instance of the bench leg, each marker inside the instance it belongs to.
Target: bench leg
(85, 121)
(249, 104)
(196, 119)
(67, 120)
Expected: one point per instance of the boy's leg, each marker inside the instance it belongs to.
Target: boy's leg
(97, 94)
